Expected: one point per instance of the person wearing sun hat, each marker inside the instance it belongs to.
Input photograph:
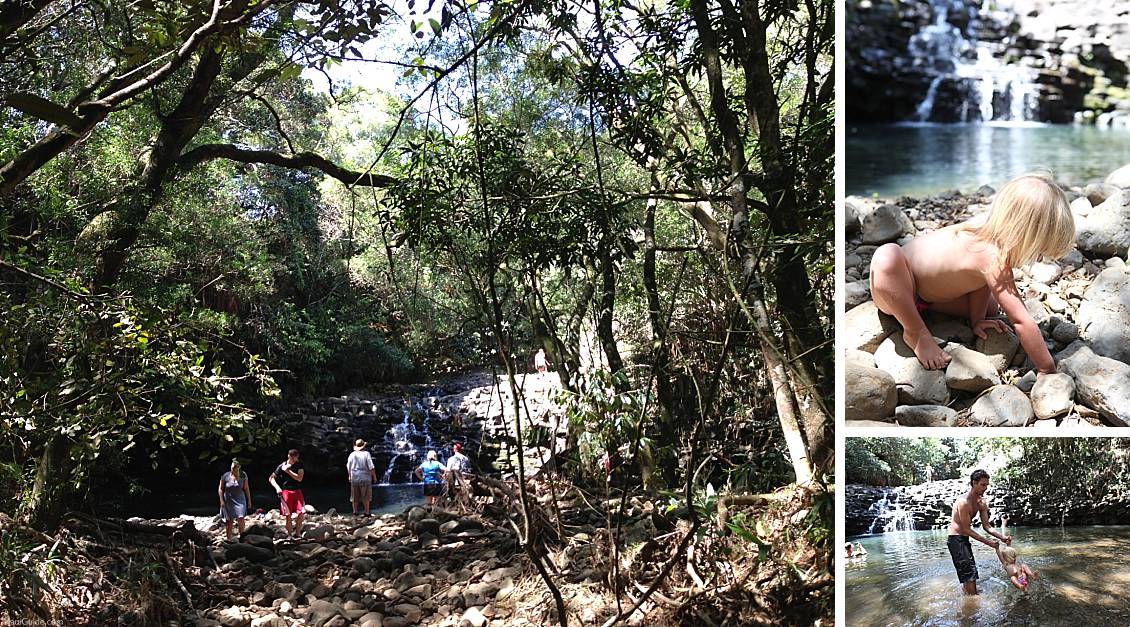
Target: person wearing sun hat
(361, 474)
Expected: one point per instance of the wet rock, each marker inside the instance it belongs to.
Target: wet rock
(916, 385)
(925, 416)
(1002, 406)
(1104, 315)
(865, 327)
(869, 393)
(999, 347)
(1101, 383)
(1053, 395)
(885, 224)
(969, 370)
(1105, 230)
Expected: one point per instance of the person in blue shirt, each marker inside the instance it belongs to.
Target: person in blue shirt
(432, 473)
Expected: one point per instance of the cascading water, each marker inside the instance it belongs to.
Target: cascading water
(404, 440)
(990, 89)
(896, 518)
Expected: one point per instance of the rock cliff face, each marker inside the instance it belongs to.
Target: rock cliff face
(869, 509)
(961, 61)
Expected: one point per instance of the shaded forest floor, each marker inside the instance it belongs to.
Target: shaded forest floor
(770, 564)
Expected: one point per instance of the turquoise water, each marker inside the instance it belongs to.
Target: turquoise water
(909, 579)
(923, 159)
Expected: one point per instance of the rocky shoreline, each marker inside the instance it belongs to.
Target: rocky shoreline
(1079, 302)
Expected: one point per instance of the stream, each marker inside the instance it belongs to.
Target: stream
(908, 579)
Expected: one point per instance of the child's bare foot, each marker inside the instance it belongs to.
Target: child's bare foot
(929, 354)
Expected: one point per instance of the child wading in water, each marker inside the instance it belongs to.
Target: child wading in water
(1018, 573)
(966, 271)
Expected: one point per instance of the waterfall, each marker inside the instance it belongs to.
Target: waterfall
(897, 519)
(404, 440)
(982, 78)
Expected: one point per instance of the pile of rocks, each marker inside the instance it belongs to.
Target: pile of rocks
(1080, 302)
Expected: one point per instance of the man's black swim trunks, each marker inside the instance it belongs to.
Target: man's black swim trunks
(962, 554)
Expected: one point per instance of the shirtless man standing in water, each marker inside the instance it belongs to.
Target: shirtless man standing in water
(961, 529)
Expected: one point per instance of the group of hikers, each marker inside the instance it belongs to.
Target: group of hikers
(235, 492)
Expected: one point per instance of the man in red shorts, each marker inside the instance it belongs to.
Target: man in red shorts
(287, 481)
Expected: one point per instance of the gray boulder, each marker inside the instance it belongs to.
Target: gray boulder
(1101, 383)
(865, 327)
(916, 385)
(1104, 315)
(1105, 230)
(1002, 406)
(885, 224)
(925, 416)
(969, 370)
(999, 347)
(869, 393)
(1053, 395)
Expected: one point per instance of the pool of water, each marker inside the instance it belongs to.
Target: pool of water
(203, 502)
(923, 159)
(909, 579)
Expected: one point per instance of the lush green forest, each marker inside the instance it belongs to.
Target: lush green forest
(204, 221)
(1051, 468)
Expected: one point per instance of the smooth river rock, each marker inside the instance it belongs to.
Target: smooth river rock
(869, 393)
(1002, 406)
(999, 347)
(925, 416)
(969, 370)
(1105, 230)
(885, 224)
(1104, 315)
(916, 385)
(865, 327)
(1101, 383)
(1053, 395)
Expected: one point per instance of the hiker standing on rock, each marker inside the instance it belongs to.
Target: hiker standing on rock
(235, 497)
(287, 481)
(965, 509)
(431, 472)
(540, 362)
(361, 474)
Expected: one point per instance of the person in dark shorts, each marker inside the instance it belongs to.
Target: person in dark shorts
(287, 481)
(965, 509)
(431, 472)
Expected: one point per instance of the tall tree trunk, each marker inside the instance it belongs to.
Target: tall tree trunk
(605, 315)
(52, 487)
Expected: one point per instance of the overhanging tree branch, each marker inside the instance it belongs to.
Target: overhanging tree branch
(297, 161)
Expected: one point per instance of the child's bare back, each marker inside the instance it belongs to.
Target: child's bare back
(948, 263)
